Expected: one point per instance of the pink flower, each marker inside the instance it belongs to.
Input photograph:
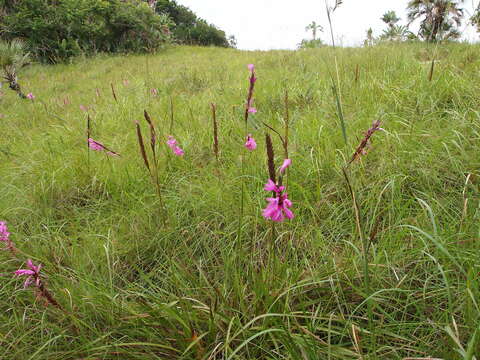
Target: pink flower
(251, 143)
(96, 146)
(32, 273)
(271, 186)
(252, 110)
(285, 165)
(251, 67)
(178, 151)
(171, 142)
(278, 208)
(5, 236)
(66, 101)
(154, 92)
(30, 96)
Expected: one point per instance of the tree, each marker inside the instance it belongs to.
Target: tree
(188, 28)
(390, 18)
(439, 18)
(314, 27)
(475, 20)
(369, 40)
(13, 57)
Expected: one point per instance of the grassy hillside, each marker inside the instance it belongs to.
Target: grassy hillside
(210, 283)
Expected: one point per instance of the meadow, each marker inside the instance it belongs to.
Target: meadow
(202, 274)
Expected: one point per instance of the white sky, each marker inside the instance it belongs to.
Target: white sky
(280, 24)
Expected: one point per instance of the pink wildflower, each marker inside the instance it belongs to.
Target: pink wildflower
(96, 146)
(251, 67)
(32, 273)
(154, 92)
(178, 151)
(172, 143)
(30, 96)
(285, 165)
(5, 237)
(278, 208)
(251, 144)
(271, 186)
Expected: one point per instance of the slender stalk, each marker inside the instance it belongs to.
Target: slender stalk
(215, 130)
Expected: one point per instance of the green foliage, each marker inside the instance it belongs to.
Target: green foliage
(57, 30)
(475, 20)
(190, 29)
(440, 19)
(390, 18)
(311, 44)
(195, 290)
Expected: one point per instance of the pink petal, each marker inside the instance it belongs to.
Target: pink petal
(270, 186)
(285, 165)
(251, 67)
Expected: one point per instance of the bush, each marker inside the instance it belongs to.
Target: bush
(188, 28)
(58, 30)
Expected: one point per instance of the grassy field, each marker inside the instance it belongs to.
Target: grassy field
(210, 281)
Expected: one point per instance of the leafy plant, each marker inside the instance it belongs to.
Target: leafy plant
(439, 18)
(13, 56)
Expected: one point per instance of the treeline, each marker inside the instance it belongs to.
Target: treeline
(55, 30)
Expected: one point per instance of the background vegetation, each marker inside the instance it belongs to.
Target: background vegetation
(200, 288)
(58, 30)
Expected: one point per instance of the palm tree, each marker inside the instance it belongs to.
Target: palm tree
(13, 57)
(439, 18)
(314, 27)
(475, 20)
(390, 18)
(369, 40)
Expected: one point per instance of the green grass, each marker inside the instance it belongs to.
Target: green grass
(194, 289)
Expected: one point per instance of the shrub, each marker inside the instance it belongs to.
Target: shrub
(188, 28)
(58, 30)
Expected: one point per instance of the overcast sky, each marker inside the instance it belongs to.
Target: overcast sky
(280, 24)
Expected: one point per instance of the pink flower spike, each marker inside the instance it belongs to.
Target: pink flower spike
(285, 165)
(252, 110)
(251, 144)
(251, 67)
(30, 96)
(178, 151)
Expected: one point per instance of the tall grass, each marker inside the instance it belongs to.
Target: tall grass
(134, 289)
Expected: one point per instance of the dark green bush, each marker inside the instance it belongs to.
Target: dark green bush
(55, 30)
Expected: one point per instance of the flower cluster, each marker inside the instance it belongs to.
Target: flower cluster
(5, 237)
(279, 205)
(32, 274)
(172, 143)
